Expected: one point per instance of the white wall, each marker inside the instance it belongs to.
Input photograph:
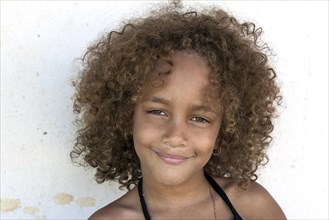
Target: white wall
(39, 42)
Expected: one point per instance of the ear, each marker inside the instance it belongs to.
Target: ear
(128, 134)
(216, 151)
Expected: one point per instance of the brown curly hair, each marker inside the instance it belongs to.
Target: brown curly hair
(116, 66)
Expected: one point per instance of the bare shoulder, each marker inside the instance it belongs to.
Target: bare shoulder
(126, 207)
(255, 202)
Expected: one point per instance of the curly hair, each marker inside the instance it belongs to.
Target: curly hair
(116, 66)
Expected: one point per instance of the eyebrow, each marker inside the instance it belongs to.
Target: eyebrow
(157, 100)
(203, 108)
(163, 101)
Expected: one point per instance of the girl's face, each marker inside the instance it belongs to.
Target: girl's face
(175, 127)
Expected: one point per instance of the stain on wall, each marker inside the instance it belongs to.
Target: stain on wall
(31, 210)
(86, 201)
(8, 205)
(62, 198)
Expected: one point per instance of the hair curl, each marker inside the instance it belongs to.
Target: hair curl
(115, 67)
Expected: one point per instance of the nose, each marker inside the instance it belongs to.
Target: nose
(176, 134)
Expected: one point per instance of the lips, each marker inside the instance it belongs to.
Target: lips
(172, 159)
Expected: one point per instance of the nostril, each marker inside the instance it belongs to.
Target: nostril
(175, 141)
(176, 134)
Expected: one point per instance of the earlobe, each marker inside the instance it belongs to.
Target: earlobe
(217, 148)
(128, 135)
(216, 151)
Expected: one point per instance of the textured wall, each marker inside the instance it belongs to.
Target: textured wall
(39, 42)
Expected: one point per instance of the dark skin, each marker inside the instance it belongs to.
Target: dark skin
(179, 122)
(263, 206)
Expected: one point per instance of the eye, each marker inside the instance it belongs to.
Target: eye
(200, 119)
(156, 112)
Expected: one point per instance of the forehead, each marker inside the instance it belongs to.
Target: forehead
(185, 64)
(181, 75)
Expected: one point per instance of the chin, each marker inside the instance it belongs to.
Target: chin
(169, 179)
(173, 176)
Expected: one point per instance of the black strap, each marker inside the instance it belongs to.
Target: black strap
(141, 197)
(211, 181)
(222, 194)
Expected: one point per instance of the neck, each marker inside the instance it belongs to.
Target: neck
(194, 190)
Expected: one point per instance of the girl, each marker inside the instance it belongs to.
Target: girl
(177, 107)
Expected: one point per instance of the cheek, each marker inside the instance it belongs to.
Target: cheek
(145, 131)
(204, 141)
(203, 144)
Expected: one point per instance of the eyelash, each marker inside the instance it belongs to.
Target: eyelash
(162, 113)
(156, 112)
(201, 120)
